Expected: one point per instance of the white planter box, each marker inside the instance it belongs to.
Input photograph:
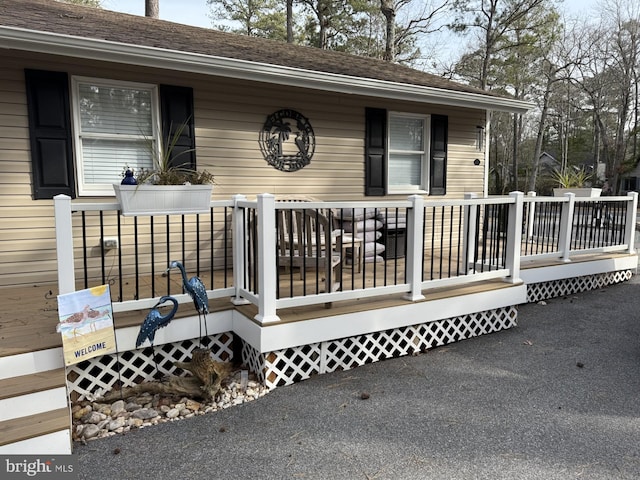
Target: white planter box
(163, 199)
(578, 192)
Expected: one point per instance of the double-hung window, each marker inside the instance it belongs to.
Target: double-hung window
(115, 126)
(408, 153)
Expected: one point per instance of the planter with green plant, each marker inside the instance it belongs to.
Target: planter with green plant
(167, 188)
(576, 181)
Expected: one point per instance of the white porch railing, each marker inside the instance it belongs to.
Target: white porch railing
(146, 246)
(436, 244)
(446, 243)
(563, 227)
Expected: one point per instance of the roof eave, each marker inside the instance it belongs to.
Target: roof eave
(96, 49)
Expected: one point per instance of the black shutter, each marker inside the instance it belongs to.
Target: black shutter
(50, 133)
(176, 106)
(375, 162)
(438, 156)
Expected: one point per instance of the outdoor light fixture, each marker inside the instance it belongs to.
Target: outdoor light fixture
(479, 138)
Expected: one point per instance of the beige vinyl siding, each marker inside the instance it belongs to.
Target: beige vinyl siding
(229, 115)
(230, 118)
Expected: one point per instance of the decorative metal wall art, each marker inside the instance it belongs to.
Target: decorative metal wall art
(287, 140)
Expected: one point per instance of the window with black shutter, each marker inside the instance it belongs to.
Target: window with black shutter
(115, 128)
(50, 133)
(405, 152)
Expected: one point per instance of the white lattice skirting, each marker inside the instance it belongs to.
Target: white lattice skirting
(287, 366)
(101, 374)
(283, 367)
(569, 286)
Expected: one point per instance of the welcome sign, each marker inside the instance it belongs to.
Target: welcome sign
(86, 324)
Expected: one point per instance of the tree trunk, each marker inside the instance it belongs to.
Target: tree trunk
(604, 140)
(489, 43)
(515, 150)
(621, 144)
(289, 21)
(533, 179)
(152, 8)
(388, 10)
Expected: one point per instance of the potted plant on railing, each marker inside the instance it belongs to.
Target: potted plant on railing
(574, 180)
(168, 188)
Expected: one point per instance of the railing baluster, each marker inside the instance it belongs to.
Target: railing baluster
(153, 258)
(460, 239)
(102, 253)
(211, 248)
(433, 237)
(387, 255)
(197, 243)
(136, 258)
(226, 244)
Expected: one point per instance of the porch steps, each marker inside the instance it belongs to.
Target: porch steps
(34, 409)
(43, 433)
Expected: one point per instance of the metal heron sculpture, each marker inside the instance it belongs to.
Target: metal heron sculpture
(198, 293)
(154, 321)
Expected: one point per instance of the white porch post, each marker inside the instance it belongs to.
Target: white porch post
(239, 241)
(415, 245)
(566, 225)
(514, 236)
(267, 273)
(64, 244)
(630, 227)
(531, 215)
(469, 236)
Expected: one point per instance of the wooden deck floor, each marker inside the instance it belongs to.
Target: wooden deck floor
(29, 315)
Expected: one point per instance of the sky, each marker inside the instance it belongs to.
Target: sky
(189, 12)
(196, 12)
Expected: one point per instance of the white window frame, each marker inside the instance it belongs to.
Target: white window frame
(423, 188)
(99, 189)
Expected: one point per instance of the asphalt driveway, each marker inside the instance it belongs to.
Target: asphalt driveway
(554, 398)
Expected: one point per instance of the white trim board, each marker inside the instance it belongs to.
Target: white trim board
(578, 269)
(279, 336)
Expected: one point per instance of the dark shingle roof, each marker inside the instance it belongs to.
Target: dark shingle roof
(67, 19)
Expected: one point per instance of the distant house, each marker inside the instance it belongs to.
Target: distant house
(83, 88)
(548, 163)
